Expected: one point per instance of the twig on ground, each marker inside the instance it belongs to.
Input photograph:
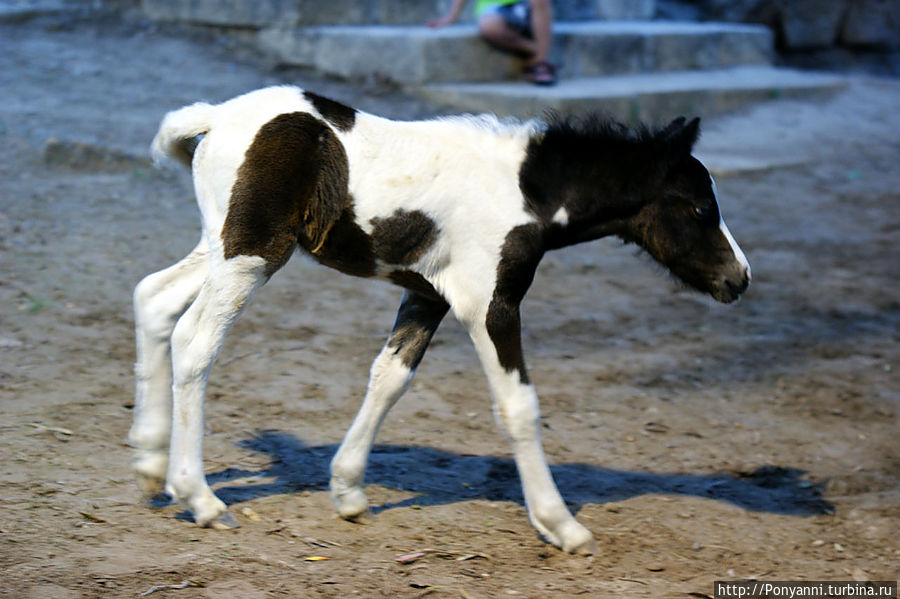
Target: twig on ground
(52, 429)
(184, 584)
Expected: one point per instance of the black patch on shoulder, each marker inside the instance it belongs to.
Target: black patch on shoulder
(416, 283)
(417, 320)
(340, 115)
(292, 186)
(403, 237)
(519, 257)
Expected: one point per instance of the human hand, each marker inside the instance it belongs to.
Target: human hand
(442, 22)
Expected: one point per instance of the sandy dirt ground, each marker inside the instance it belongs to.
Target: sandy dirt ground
(698, 442)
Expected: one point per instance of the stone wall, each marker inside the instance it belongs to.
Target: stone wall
(816, 24)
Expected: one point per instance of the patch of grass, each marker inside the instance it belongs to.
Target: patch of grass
(36, 303)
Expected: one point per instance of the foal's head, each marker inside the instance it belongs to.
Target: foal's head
(680, 224)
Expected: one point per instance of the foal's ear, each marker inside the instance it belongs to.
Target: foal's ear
(685, 138)
(671, 128)
(678, 138)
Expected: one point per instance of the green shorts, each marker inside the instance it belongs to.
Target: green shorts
(516, 14)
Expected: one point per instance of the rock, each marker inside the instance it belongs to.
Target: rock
(91, 157)
(747, 11)
(812, 24)
(800, 24)
(872, 23)
(808, 24)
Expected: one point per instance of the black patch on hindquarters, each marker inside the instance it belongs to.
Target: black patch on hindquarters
(520, 255)
(340, 115)
(292, 186)
(417, 320)
(403, 237)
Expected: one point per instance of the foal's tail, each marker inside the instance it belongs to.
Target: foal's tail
(176, 139)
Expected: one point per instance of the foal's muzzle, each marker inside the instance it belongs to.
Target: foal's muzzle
(729, 287)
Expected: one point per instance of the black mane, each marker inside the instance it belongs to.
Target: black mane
(598, 130)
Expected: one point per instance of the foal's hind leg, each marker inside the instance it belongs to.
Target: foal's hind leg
(391, 374)
(159, 300)
(196, 341)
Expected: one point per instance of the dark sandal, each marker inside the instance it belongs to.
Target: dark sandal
(541, 73)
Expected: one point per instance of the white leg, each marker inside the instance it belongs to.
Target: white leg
(159, 300)
(388, 380)
(516, 405)
(391, 374)
(196, 342)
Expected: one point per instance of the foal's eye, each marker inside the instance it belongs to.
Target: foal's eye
(702, 212)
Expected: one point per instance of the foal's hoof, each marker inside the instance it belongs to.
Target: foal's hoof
(150, 469)
(151, 486)
(364, 517)
(351, 502)
(589, 548)
(224, 522)
(578, 540)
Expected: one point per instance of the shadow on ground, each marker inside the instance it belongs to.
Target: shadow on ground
(438, 478)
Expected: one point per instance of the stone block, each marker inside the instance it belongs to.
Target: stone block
(756, 46)
(406, 55)
(289, 45)
(719, 46)
(593, 56)
(672, 52)
(589, 50)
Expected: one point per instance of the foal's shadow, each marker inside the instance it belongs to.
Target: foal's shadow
(436, 477)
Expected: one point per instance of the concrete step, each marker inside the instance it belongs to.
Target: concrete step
(631, 98)
(417, 54)
(263, 13)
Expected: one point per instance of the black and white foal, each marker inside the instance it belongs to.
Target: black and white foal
(458, 211)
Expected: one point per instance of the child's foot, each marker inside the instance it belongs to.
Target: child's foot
(541, 73)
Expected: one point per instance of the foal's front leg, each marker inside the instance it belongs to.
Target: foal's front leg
(498, 342)
(392, 371)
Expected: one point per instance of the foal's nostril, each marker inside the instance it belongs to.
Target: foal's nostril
(738, 286)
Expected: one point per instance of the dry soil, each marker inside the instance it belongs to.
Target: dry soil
(698, 442)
